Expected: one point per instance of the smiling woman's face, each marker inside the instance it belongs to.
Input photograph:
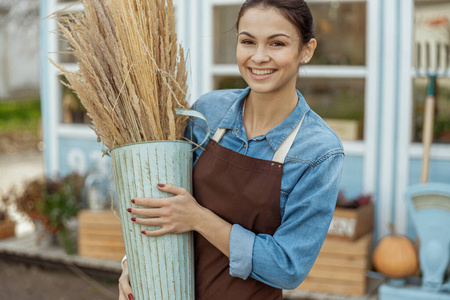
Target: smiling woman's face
(268, 51)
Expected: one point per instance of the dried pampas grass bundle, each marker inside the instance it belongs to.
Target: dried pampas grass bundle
(132, 73)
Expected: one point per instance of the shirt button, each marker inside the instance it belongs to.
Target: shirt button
(236, 130)
(245, 146)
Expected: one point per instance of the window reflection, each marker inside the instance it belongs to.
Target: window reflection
(340, 102)
(340, 33)
(441, 130)
(73, 112)
(225, 40)
(432, 57)
(229, 82)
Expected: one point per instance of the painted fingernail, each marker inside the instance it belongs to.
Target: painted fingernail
(129, 209)
(143, 231)
(133, 201)
(130, 296)
(133, 219)
(161, 185)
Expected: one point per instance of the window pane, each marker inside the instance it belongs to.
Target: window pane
(340, 33)
(441, 126)
(340, 102)
(64, 47)
(73, 111)
(431, 34)
(229, 82)
(225, 40)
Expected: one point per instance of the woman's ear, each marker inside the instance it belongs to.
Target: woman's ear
(308, 50)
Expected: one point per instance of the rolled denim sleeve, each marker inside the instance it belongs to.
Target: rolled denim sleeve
(241, 251)
(285, 259)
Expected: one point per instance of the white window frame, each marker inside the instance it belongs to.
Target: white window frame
(365, 148)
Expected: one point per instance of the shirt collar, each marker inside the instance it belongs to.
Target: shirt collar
(276, 136)
(235, 111)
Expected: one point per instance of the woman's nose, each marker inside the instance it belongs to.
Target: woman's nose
(260, 55)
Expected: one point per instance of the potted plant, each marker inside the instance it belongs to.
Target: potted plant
(51, 204)
(7, 226)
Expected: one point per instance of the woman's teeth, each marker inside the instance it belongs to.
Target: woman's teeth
(262, 72)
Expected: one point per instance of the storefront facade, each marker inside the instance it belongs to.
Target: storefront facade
(365, 80)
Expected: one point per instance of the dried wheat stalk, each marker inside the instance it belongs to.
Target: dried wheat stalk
(132, 73)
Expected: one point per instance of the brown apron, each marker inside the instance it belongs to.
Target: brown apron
(241, 190)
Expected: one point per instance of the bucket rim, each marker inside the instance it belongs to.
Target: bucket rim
(151, 142)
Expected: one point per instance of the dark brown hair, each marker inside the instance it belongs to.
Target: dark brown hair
(295, 11)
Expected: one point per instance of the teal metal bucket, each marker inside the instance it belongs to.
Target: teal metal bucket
(160, 268)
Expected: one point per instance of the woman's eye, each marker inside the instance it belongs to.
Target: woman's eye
(277, 44)
(247, 42)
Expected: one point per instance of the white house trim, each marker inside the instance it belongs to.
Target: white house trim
(388, 97)
(371, 96)
(404, 114)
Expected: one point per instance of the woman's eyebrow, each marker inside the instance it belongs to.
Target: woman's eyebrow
(270, 37)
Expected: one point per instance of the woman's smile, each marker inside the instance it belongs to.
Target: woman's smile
(268, 52)
(261, 74)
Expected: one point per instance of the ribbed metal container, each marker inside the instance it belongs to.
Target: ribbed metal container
(161, 268)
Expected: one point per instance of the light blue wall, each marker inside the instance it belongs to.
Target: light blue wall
(439, 171)
(352, 176)
(81, 155)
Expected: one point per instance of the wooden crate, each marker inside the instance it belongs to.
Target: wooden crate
(100, 235)
(340, 267)
(351, 224)
(7, 229)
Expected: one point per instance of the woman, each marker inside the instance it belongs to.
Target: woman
(266, 184)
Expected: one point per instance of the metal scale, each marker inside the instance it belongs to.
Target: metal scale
(429, 208)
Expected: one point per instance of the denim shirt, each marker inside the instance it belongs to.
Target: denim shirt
(309, 187)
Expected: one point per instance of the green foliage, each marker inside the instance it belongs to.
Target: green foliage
(20, 115)
(61, 200)
(52, 201)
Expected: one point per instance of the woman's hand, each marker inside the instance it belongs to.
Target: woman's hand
(125, 292)
(181, 213)
(177, 214)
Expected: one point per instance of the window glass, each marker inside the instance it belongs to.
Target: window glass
(340, 33)
(64, 47)
(229, 82)
(73, 112)
(340, 102)
(225, 40)
(441, 126)
(431, 57)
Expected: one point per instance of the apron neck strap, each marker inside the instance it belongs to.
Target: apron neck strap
(282, 151)
(284, 148)
(218, 134)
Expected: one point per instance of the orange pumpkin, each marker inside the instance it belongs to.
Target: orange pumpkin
(395, 256)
